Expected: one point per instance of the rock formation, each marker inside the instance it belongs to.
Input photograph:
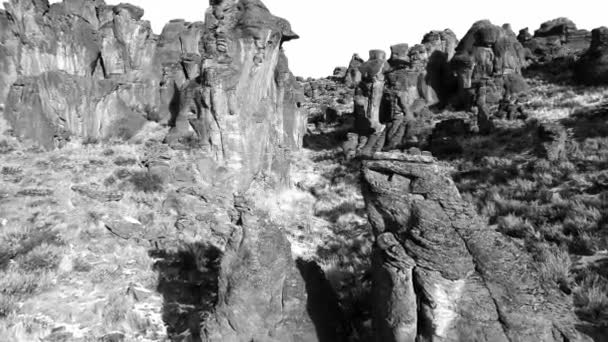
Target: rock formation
(353, 75)
(440, 273)
(107, 52)
(261, 296)
(399, 91)
(244, 110)
(369, 91)
(556, 38)
(488, 63)
(592, 68)
(340, 73)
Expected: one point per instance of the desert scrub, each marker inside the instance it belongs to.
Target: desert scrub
(146, 182)
(7, 305)
(554, 266)
(116, 309)
(125, 161)
(591, 298)
(42, 257)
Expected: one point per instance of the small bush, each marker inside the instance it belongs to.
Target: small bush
(108, 152)
(554, 266)
(108, 182)
(11, 171)
(81, 265)
(591, 299)
(123, 173)
(124, 161)
(7, 305)
(146, 182)
(516, 227)
(116, 309)
(42, 257)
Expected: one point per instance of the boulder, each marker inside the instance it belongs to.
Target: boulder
(244, 110)
(440, 273)
(592, 68)
(339, 73)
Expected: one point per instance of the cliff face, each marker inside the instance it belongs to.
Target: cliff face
(244, 112)
(440, 274)
(93, 71)
(78, 68)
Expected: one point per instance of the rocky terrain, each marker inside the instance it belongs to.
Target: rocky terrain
(188, 187)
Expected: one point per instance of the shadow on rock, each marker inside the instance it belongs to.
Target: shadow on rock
(323, 306)
(589, 122)
(188, 281)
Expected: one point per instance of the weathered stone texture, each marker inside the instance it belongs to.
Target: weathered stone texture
(557, 38)
(88, 45)
(441, 274)
(245, 109)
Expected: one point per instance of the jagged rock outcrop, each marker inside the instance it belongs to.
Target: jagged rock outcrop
(489, 56)
(556, 38)
(592, 68)
(488, 63)
(402, 89)
(261, 295)
(96, 46)
(180, 59)
(353, 75)
(440, 273)
(340, 73)
(369, 92)
(244, 111)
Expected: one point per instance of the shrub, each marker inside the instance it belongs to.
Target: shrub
(554, 266)
(515, 226)
(124, 161)
(146, 182)
(42, 257)
(591, 298)
(7, 305)
(116, 309)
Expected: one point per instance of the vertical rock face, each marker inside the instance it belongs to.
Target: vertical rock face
(592, 68)
(440, 274)
(368, 93)
(87, 43)
(179, 57)
(245, 109)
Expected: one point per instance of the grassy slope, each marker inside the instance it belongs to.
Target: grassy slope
(557, 210)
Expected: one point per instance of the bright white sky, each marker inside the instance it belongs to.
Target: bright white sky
(332, 30)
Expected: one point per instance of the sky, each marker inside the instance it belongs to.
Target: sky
(332, 30)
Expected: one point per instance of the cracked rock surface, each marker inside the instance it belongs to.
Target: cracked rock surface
(441, 274)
